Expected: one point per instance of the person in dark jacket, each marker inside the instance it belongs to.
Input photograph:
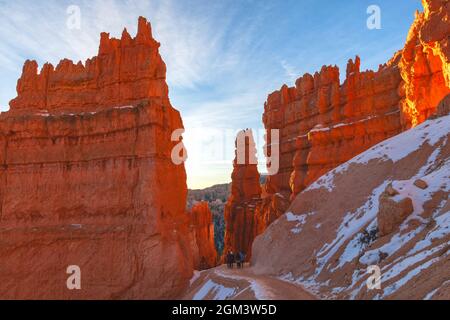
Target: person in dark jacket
(230, 259)
(242, 258)
(238, 260)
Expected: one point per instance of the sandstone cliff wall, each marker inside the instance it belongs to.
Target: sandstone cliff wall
(87, 179)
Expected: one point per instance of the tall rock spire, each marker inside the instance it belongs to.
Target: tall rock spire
(127, 71)
(241, 209)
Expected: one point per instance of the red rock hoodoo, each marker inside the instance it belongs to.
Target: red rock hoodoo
(241, 208)
(425, 63)
(205, 254)
(324, 123)
(125, 72)
(87, 179)
(248, 211)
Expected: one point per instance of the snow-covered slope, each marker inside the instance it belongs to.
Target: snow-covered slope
(388, 207)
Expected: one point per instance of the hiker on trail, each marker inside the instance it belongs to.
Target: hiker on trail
(242, 258)
(238, 260)
(230, 259)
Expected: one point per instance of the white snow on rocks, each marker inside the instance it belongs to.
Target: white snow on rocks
(396, 243)
(402, 145)
(219, 292)
(394, 269)
(410, 275)
(430, 295)
(260, 290)
(423, 249)
(354, 247)
(195, 276)
(300, 219)
(394, 149)
(293, 217)
(352, 223)
(437, 180)
(441, 230)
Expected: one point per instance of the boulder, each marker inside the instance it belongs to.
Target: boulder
(391, 191)
(419, 183)
(392, 213)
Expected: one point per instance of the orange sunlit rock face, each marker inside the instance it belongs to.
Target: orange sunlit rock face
(323, 123)
(203, 228)
(425, 63)
(87, 179)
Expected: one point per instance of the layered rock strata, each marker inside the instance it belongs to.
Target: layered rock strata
(87, 179)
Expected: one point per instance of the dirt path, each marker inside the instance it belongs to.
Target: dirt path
(222, 283)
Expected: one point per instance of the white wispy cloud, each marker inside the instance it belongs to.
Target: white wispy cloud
(290, 71)
(210, 49)
(223, 56)
(196, 44)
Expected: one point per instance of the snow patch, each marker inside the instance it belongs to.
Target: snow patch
(194, 277)
(395, 149)
(300, 219)
(396, 243)
(351, 224)
(261, 292)
(430, 295)
(441, 230)
(398, 284)
(396, 268)
(220, 292)
(355, 247)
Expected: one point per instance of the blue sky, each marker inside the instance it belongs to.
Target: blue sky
(223, 56)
